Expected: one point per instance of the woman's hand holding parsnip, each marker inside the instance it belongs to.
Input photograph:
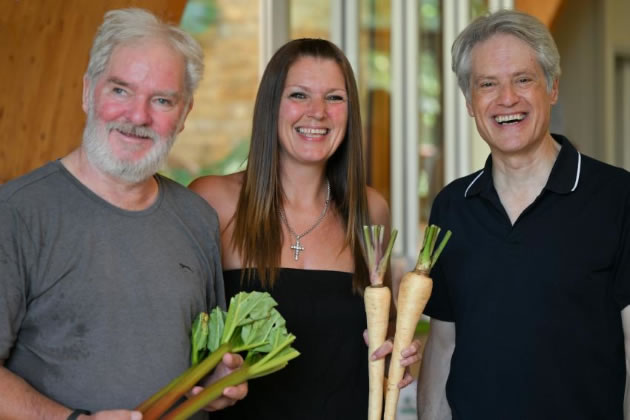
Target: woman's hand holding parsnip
(409, 356)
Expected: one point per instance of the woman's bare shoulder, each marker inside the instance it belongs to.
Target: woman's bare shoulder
(211, 187)
(377, 207)
(220, 191)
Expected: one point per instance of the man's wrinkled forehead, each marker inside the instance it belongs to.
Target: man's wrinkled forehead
(138, 59)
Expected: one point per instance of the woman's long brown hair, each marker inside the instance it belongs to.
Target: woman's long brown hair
(258, 229)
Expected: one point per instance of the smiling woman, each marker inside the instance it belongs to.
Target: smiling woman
(291, 224)
(313, 111)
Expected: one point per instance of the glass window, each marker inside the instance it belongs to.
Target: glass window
(309, 19)
(430, 132)
(216, 137)
(431, 79)
(375, 90)
(478, 8)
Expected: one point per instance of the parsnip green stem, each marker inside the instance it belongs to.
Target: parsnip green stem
(377, 260)
(427, 257)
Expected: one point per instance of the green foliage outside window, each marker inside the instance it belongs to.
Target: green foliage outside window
(199, 15)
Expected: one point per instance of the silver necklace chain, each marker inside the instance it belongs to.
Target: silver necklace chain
(297, 247)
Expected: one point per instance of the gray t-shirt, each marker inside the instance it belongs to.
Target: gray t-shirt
(96, 303)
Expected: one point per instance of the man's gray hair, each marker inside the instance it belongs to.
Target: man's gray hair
(124, 26)
(509, 22)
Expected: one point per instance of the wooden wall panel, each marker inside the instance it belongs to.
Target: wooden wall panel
(44, 46)
(378, 142)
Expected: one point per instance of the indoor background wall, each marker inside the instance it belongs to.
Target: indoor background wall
(44, 49)
(617, 17)
(590, 34)
(44, 46)
(580, 39)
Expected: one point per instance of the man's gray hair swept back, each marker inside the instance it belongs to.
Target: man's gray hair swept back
(509, 22)
(124, 26)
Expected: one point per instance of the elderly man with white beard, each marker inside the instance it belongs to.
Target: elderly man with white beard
(104, 264)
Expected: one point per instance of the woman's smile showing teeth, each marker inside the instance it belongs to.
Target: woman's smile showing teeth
(313, 111)
(312, 132)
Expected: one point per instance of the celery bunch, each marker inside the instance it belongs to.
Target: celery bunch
(252, 325)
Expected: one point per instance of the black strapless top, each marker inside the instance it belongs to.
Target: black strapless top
(329, 379)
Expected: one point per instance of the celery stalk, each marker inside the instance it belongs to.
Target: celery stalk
(210, 393)
(172, 392)
(254, 366)
(251, 324)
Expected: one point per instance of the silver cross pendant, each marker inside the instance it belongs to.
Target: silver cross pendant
(297, 248)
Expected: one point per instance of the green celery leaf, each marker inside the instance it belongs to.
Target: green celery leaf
(264, 304)
(245, 308)
(216, 325)
(256, 335)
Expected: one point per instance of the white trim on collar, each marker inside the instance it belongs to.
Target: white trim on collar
(577, 175)
(471, 184)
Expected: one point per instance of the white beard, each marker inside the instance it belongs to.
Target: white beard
(99, 152)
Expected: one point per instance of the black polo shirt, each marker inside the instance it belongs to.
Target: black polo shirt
(537, 304)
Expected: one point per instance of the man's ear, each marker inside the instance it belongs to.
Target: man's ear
(187, 111)
(554, 91)
(86, 94)
(470, 109)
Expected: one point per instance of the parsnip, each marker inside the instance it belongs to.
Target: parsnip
(377, 298)
(413, 295)
(377, 303)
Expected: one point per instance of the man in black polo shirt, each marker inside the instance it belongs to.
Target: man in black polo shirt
(529, 311)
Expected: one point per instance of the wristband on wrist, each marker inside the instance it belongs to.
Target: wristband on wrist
(76, 413)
